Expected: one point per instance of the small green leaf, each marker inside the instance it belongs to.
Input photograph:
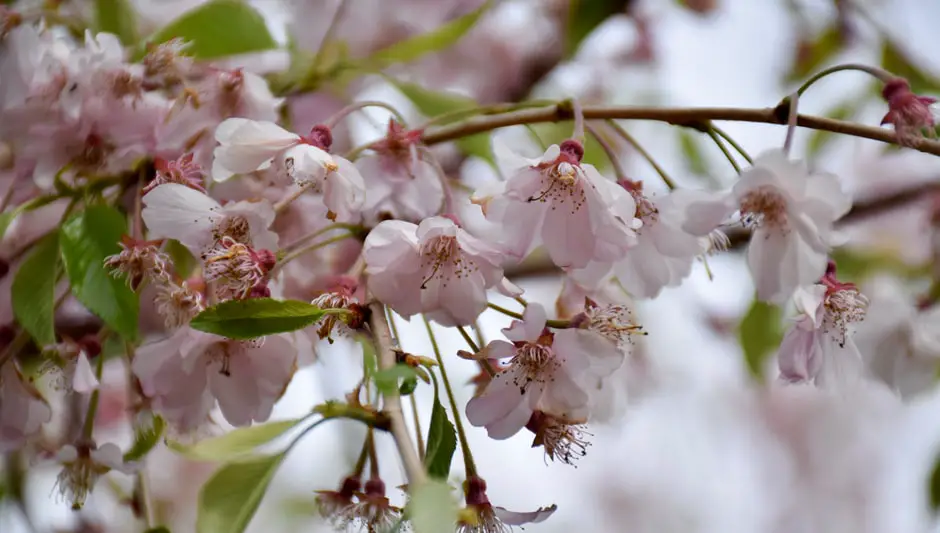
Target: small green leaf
(235, 443)
(896, 62)
(760, 333)
(818, 139)
(183, 261)
(217, 29)
(228, 501)
(586, 15)
(117, 17)
(85, 241)
(442, 442)
(161, 529)
(387, 380)
(33, 291)
(145, 439)
(256, 317)
(433, 41)
(408, 385)
(432, 508)
(811, 56)
(435, 103)
(692, 152)
(6, 218)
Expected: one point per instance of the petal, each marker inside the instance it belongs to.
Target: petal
(502, 406)
(67, 454)
(534, 319)
(109, 455)
(707, 212)
(800, 355)
(83, 379)
(175, 211)
(513, 518)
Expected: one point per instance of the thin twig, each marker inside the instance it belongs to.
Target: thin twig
(642, 151)
(609, 150)
(734, 144)
(724, 149)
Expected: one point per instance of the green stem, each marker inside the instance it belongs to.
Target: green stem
(89, 428)
(469, 465)
(419, 438)
(642, 151)
(315, 246)
(879, 73)
(466, 337)
(609, 150)
(551, 323)
(724, 149)
(363, 455)
(352, 228)
(733, 143)
(351, 108)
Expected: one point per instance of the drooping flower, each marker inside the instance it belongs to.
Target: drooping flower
(562, 441)
(138, 261)
(819, 346)
(23, 410)
(481, 516)
(373, 511)
(791, 214)
(337, 505)
(341, 296)
(183, 171)
(235, 269)
(177, 303)
(83, 464)
(553, 372)
(664, 252)
(910, 114)
(564, 204)
(435, 268)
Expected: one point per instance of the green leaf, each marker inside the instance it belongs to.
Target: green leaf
(6, 218)
(161, 529)
(256, 317)
(33, 291)
(183, 261)
(228, 501)
(433, 41)
(811, 56)
(896, 61)
(933, 487)
(85, 241)
(442, 442)
(432, 508)
(435, 103)
(145, 439)
(235, 443)
(387, 380)
(857, 265)
(586, 15)
(117, 17)
(692, 152)
(408, 385)
(217, 29)
(818, 139)
(760, 333)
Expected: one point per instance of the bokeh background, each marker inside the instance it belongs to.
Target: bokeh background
(746, 53)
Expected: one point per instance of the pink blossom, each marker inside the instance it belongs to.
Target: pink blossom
(910, 114)
(83, 464)
(553, 372)
(435, 268)
(184, 373)
(23, 411)
(791, 214)
(481, 516)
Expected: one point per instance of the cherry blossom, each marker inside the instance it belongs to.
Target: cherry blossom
(23, 411)
(83, 464)
(578, 215)
(481, 516)
(910, 114)
(184, 373)
(554, 372)
(435, 268)
(790, 211)
(373, 511)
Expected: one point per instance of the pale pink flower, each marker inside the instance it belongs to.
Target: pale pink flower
(184, 373)
(435, 268)
(23, 411)
(177, 303)
(249, 145)
(83, 464)
(664, 253)
(175, 211)
(910, 114)
(553, 372)
(481, 516)
(336, 178)
(182, 170)
(791, 214)
(577, 214)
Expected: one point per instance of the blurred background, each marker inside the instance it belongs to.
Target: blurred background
(736, 53)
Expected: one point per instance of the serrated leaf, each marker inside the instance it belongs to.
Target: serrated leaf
(760, 333)
(692, 152)
(85, 241)
(117, 17)
(145, 440)
(811, 56)
(432, 508)
(818, 139)
(442, 442)
(218, 28)
(228, 501)
(896, 61)
(256, 317)
(586, 15)
(435, 40)
(387, 381)
(33, 290)
(235, 443)
(435, 103)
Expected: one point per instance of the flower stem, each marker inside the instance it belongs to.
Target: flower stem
(642, 151)
(392, 401)
(89, 428)
(352, 228)
(733, 143)
(466, 337)
(792, 104)
(448, 206)
(551, 323)
(419, 437)
(363, 455)
(881, 74)
(469, 465)
(356, 106)
(578, 133)
(306, 249)
(609, 151)
(286, 201)
(724, 149)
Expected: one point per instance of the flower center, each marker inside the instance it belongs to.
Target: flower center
(613, 322)
(845, 305)
(561, 183)
(442, 256)
(235, 228)
(235, 267)
(764, 206)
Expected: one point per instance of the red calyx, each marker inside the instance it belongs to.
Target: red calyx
(573, 149)
(475, 491)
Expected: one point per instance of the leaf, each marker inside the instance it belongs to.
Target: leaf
(818, 139)
(933, 487)
(586, 15)
(433, 41)
(235, 443)
(408, 385)
(228, 501)
(435, 103)
(85, 241)
(387, 380)
(256, 317)
(6, 219)
(760, 334)
(33, 291)
(896, 61)
(692, 152)
(813, 55)
(183, 260)
(117, 17)
(442, 442)
(432, 508)
(145, 439)
(217, 29)
(161, 529)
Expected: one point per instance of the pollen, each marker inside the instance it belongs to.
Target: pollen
(562, 186)
(764, 207)
(444, 261)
